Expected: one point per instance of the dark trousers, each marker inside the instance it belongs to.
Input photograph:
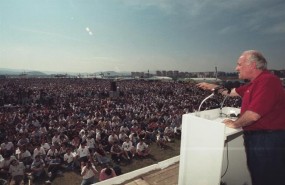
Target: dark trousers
(265, 151)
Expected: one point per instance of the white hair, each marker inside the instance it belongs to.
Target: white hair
(257, 57)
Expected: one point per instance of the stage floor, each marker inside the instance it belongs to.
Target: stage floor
(167, 176)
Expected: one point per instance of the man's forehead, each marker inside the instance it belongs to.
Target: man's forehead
(241, 58)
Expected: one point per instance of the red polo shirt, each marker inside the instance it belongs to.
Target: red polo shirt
(265, 96)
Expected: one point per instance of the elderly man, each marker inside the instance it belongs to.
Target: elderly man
(262, 118)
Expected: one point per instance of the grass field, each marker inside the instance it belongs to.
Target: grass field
(157, 155)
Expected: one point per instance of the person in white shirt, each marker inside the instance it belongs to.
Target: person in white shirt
(39, 151)
(7, 146)
(90, 120)
(125, 129)
(23, 140)
(36, 123)
(113, 138)
(122, 136)
(55, 138)
(161, 140)
(83, 152)
(63, 138)
(90, 143)
(142, 149)
(68, 159)
(24, 156)
(82, 134)
(52, 152)
(168, 133)
(88, 174)
(43, 130)
(4, 165)
(134, 138)
(17, 171)
(45, 144)
(98, 135)
(128, 148)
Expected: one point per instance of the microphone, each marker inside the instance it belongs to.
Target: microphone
(222, 105)
(236, 84)
(229, 85)
(214, 91)
(224, 86)
(198, 113)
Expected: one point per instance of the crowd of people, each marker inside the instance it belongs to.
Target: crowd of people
(51, 125)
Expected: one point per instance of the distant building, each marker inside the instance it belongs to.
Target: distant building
(176, 73)
(169, 73)
(138, 74)
(203, 79)
(3, 76)
(160, 78)
(158, 73)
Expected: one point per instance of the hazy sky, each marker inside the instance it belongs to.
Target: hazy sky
(137, 35)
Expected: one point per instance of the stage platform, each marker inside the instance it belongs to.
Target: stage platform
(162, 173)
(167, 176)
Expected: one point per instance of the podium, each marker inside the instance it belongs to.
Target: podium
(210, 150)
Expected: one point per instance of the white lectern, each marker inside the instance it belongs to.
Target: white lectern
(204, 154)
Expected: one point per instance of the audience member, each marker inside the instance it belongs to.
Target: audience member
(17, 171)
(101, 155)
(128, 148)
(88, 173)
(38, 168)
(142, 149)
(116, 152)
(69, 159)
(107, 173)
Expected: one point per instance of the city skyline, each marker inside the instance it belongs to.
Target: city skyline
(138, 35)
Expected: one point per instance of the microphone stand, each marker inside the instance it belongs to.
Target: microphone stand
(198, 113)
(222, 105)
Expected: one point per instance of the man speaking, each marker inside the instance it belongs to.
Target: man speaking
(262, 118)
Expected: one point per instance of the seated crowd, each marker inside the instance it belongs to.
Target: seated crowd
(48, 126)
